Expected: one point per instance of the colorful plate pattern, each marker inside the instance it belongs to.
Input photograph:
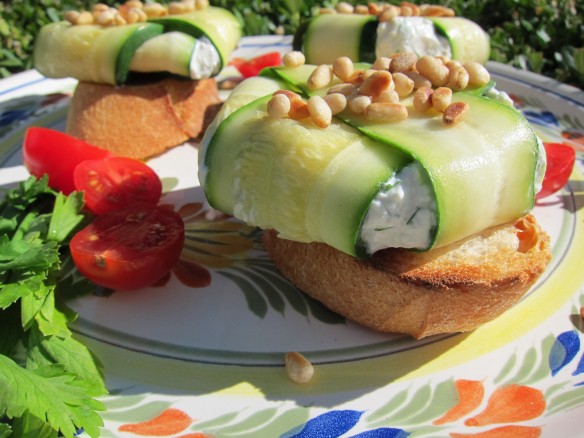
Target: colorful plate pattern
(201, 354)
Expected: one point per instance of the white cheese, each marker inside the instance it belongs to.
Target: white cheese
(410, 34)
(205, 61)
(500, 96)
(402, 214)
(540, 166)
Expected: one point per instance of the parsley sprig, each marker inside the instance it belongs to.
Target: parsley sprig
(49, 381)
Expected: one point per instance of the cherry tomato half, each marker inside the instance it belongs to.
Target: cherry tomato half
(129, 248)
(46, 151)
(560, 162)
(116, 182)
(253, 66)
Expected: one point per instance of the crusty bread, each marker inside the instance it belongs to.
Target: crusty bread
(141, 121)
(446, 290)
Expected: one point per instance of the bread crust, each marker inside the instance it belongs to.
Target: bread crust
(141, 121)
(446, 290)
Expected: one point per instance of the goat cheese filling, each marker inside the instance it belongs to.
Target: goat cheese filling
(402, 214)
(205, 61)
(410, 34)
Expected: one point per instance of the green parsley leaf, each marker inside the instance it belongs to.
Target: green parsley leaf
(29, 426)
(49, 392)
(66, 216)
(5, 430)
(74, 356)
(47, 378)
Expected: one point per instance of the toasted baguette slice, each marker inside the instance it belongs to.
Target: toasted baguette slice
(446, 290)
(143, 120)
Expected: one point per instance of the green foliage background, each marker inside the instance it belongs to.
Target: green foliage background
(546, 37)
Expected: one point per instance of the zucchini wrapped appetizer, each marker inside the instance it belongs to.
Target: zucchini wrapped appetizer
(356, 159)
(139, 58)
(376, 31)
(113, 46)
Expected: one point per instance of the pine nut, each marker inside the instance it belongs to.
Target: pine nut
(389, 13)
(85, 18)
(320, 77)
(433, 69)
(436, 11)
(298, 108)
(134, 4)
(414, 8)
(367, 73)
(175, 8)
(201, 4)
(454, 113)
(458, 78)
(358, 104)
(326, 11)
(343, 67)
(141, 15)
(298, 368)
(119, 20)
(133, 15)
(403, 85)
(381, 63)
(72, 16)
(387, 96)
(344, 8)
(278, 106)
(423, 99)
(406, 11)
(373, 8)
(581, 311)
(361, 10)
(356, 78)
(293, 59)
(386, 112)
(319, 111)
(403, 62)
(441, 98)
(443, 59)
(477, 74)
(419, 80)
(154, 10)
(98, 8)
(105, 18)
(344, 88)
(376, 83)
(337, 102)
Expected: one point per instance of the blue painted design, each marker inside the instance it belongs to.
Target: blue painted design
(544, 118)
(580, 367)
(330, 424)
(14, 115)
(563, 351)
(383, 432)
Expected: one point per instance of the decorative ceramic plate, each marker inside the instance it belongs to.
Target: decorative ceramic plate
(202, 354)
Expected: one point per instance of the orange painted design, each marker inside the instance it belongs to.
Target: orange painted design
(510, 404)
(191, 274)
(195, 435)
(470, 396)
(170, 422)
(503, 432)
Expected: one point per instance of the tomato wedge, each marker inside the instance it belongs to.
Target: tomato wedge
(116, 182)
(129, 248)
(253, 66)
(560, 162)
(46, 151)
